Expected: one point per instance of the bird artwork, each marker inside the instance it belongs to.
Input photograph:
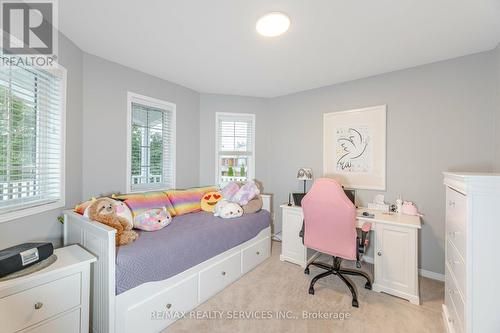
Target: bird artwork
(352, 149)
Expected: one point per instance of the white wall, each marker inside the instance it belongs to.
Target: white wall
(105, 86)
(44, 226)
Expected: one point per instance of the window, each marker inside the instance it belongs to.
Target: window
(235, 142)
(151, 150)
(32, 113)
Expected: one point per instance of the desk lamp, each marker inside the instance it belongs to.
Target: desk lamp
(305, 174)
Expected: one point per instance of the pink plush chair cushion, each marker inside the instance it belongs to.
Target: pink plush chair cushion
(330, 220)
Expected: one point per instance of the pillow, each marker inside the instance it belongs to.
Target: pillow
(246, 193)
(229, 190)
(152, 219)
(188, 201)
(138, 202)
(80, 208)
(209, 200)
(253, 206)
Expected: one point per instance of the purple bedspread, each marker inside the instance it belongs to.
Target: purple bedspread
(187, 241)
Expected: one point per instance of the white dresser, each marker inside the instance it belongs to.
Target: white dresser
(54, 299)
(472, 272)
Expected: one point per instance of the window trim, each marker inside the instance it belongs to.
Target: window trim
(155, 103)
(251, 175)
(61, 72)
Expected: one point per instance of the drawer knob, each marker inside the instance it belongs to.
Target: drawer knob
(168, 306)
(450, 291)
(38, 305)
(257, 253)
(451, 203)
(379, 253)
(223, 273)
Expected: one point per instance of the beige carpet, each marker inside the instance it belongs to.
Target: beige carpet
(277, 286)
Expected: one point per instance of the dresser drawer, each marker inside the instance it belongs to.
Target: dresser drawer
(159, 311)
(456, 217)
(255, 254)
(457, 266)
(34, 305)
(453, 299)
(218, 276)
(67, 323)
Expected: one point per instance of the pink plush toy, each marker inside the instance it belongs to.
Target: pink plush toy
(229, 190)
(246, 193)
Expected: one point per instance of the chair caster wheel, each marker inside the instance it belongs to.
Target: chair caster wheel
(368, 286)
(311, 291)
(355, 303)
(358, 264)
(306, 271)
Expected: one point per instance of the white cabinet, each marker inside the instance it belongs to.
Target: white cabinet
(395, 261)
(54, 299)
(471, 274)
(395, 244)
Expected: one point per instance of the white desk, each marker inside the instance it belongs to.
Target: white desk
(395, 244)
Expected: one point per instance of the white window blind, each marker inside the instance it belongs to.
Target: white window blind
(152, 147)
(31, 138)
(235, 147)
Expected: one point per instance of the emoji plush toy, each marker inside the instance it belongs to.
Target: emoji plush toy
(209, 200)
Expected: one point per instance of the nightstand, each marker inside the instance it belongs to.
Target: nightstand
(54, 299)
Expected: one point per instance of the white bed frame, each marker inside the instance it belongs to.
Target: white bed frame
(153, 306)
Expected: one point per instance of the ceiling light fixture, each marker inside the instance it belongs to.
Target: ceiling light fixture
(273, 24)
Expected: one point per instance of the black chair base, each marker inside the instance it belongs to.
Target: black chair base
(335, 269)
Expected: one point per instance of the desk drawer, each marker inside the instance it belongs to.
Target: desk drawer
(220, 275)
(255, 254)
(34, 305)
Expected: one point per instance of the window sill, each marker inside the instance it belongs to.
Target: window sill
(31, 211)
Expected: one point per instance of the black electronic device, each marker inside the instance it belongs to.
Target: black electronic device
(18, 257)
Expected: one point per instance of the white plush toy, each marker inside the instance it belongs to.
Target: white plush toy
(227, 210)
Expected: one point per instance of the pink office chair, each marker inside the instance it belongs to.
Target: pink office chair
(330, 227)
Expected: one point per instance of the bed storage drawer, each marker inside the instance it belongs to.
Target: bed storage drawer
(218, 276)
(159, 311)
(255, 254)
(34, 305)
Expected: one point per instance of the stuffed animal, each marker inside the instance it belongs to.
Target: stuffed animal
(209, 200)
(103, 210)
(246, 193)
(253, 206)
(230, 190)
(152, 219)
(227, 210)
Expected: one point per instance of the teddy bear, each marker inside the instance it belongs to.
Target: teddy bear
(227, 209)
(103, 210)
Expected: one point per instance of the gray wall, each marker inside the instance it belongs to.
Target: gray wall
(209, 105)
(497, 131)
(440, 117)
(105, 86)
(45, 226)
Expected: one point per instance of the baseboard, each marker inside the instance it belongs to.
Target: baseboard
(422, 272)
(431, 275)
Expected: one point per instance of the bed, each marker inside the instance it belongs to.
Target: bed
(145, 286)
